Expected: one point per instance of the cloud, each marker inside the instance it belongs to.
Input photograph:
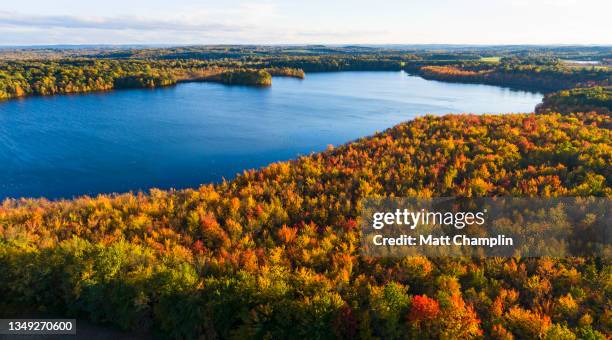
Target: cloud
(312, 22)
(248, 23)
(114, 23)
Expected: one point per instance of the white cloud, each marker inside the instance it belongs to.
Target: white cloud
(113, 23)
(314, 21)
(247, 23)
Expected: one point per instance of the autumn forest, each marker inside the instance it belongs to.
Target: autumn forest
(274, 253)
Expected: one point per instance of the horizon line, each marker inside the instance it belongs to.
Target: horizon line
(307, 44)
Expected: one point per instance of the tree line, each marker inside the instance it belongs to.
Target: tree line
(25, 78)
(578, 99)
(103, 72)
(545, 78)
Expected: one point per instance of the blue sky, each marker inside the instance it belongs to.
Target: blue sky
(29, 22)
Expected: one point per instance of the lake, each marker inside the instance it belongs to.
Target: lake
(194, 133)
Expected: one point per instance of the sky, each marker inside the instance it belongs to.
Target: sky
(45, 22)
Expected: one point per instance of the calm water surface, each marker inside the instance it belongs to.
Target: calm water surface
(196, 133)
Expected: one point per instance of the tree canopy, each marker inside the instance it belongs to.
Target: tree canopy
(275, 252)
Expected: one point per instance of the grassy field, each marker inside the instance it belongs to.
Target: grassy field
(490, 59)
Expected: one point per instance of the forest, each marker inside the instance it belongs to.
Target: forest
(275, 252)
(19, 78)
(44, 72)
(586, 99)
(546, 78)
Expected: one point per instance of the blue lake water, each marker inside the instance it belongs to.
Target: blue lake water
(194, 133)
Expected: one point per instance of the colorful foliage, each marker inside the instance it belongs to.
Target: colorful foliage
(275, 252)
